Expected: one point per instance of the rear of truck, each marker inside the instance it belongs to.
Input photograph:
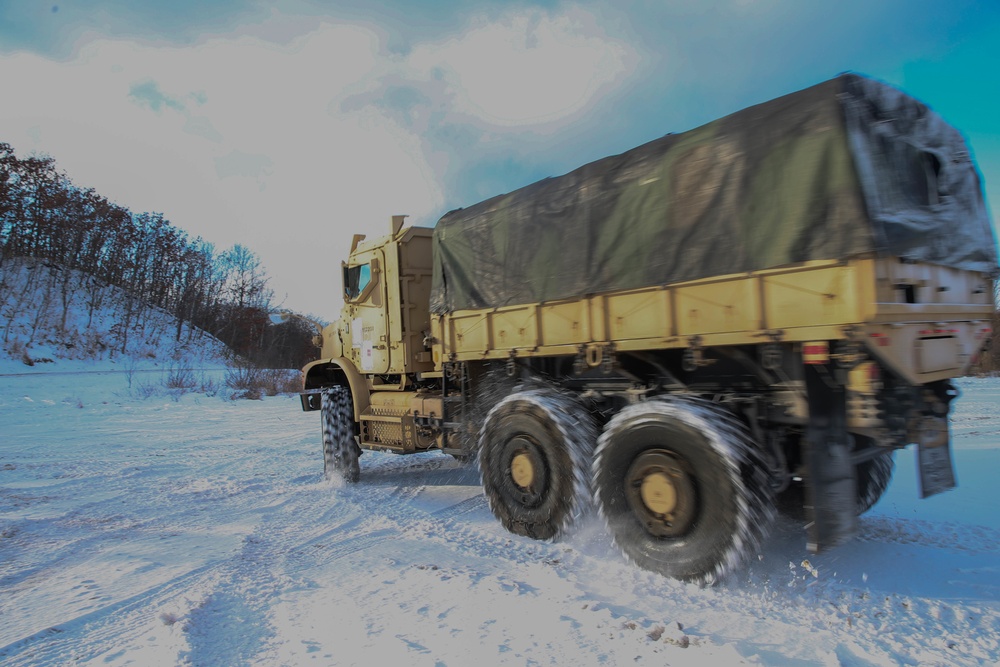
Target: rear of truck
(793, 287)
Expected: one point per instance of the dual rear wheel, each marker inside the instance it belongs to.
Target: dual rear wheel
(682, 488)
(535, 448)
(873, 477)
(678, 482)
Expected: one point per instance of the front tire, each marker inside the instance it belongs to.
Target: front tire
(534, 449)
(340, 447)
(683, 489)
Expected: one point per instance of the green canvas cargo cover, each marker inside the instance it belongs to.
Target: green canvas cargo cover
(848, 167)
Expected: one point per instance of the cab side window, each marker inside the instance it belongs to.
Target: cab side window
(356, 279)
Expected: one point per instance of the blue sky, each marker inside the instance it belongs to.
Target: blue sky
(288, 126)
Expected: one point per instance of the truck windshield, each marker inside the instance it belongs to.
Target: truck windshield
(356, 279)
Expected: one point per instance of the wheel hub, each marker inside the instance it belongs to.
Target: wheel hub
(527, 475)
(661, 493)
(658, 493)
(522, 471)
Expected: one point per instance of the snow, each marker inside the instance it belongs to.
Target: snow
(54, 319)
(166, 528)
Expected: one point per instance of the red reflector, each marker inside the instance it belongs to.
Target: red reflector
(882, 339)
(816, 353)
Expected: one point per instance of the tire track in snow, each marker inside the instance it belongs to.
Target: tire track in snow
(226, 592)
(448, 526)
(236, 620)
(233, 623)
(84, 636)
(305, 533)
(474, 504)
(882, 529)
(761, 592)
(62, 642)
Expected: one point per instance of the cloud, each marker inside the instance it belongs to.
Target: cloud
(525, 69)
(200, 126)
(289, 136)
(59, 29)
(148, 93)
(489, 100)
(528, 68)
(240, 164)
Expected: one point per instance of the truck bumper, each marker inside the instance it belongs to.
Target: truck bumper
(311, 400)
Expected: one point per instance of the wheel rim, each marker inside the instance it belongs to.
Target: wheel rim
(522, 471)
(535, 447)
(661, 493)
(527, 478)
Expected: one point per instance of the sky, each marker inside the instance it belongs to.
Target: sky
(288, 126)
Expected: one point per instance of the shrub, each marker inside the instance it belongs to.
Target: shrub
(243, 377)
(250, 382)
(180, 378)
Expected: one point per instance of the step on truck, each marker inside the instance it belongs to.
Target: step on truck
(745, 318)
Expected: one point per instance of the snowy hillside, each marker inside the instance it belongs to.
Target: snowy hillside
(194, 530)
(57, 317)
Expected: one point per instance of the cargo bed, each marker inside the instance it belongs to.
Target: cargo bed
(924, 321)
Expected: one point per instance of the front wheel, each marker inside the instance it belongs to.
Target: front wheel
(340, 448)
(534, 448)
(683, 489)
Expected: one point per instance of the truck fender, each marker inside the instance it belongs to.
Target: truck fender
(338, 371)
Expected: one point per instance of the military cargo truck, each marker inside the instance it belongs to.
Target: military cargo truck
(747, 317)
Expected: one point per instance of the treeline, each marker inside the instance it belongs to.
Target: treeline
(44, 217)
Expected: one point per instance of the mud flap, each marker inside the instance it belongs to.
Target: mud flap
(934, 465)
(831, 477)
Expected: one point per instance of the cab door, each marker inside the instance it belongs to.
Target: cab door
(367, 322)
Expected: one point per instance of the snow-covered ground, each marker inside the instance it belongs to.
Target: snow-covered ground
(188, 529)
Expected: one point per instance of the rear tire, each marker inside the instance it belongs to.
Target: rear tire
(873, 479)
(683, 489)
(534, 451)
(340, 447)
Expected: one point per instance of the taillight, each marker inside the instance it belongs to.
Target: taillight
(881, 339)
(816, 353)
